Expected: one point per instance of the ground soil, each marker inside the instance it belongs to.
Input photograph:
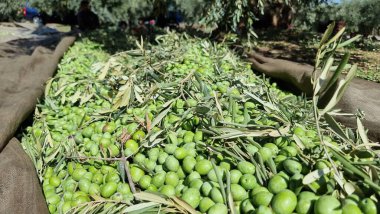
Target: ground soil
(303, 47)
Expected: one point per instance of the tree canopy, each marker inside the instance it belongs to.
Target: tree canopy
(9, 10)
(360, 16)
(225, 14)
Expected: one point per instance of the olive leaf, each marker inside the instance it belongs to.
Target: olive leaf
(141, 207)
(342, 85)
(124, 96)
(315, 175)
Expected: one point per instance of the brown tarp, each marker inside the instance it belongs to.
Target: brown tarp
(22, 81)
(20, 190)
(364, 95)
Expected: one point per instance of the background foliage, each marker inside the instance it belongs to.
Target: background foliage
(9, 10)
(311, 16)
(360, 16)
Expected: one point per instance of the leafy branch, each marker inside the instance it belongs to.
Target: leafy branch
(326, 80)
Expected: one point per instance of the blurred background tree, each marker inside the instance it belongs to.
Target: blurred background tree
(109, 11)
(9, 10)
(238, 16)
(314, 16)
(360, 16)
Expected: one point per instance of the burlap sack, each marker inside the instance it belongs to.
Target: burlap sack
(360, 94)
(20, 190)
(21, 84)
(365, 96)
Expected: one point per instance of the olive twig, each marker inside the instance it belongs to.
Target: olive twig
(126, 136)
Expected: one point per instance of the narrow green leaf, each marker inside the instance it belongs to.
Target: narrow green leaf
(121, 169)
(228, 190)
(86, 98)
(220, 181)
(105, 70)
(146, 196)
(253, 133)
(349, 188)
(314, 175)
(353, 39)
(298, 142)
(323, 77)
(327, 34)
(52, 156)
(336, 36)
(342, 85)
(337, 72)
(362, 132)
(231, 204)
(335, 126)
(155, 135)
(160, 116)
(262, 102)
(202, 109)
(218, 106)
(140, 207)
(60, 90)
(48, 86)
(124, 96)
(138, 96)
(184, 205)
(282, 131)
(155, 142)
(75, 97)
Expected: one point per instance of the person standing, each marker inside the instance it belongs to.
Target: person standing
(87, 20)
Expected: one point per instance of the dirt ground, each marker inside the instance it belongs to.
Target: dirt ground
(303, 49)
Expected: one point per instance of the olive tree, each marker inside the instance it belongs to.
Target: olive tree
(107, 10)
(360, 16)
(226, 15)
(9, 10)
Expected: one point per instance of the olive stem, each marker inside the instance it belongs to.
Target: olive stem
(130, 181)
(126, 137)
(220, 181)
(221, 151)
(365, 163)
(348, 165)
(95, 158)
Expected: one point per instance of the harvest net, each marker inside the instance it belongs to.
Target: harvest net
(185, 126)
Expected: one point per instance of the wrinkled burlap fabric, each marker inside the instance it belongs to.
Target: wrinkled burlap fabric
(20, 190)
(22, 81)
(360, 94)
